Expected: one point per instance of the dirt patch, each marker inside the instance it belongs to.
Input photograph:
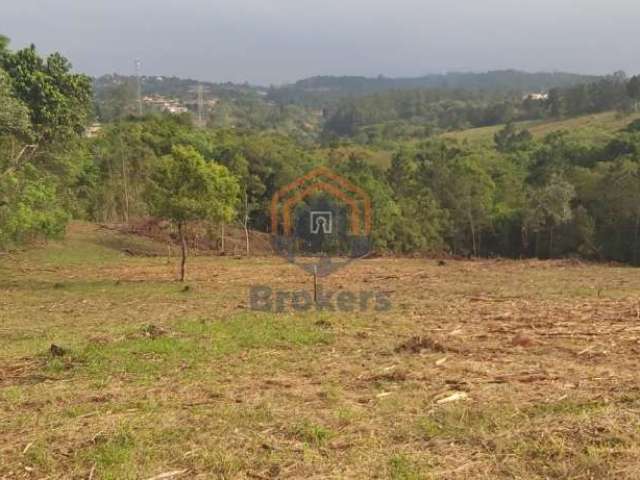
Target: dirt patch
(202, 239)
(24, 372)
(420, 344)
(154, 331)
(391, 376)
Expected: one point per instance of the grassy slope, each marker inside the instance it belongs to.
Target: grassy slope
(599, 125)
(160, 378)
(598, 128)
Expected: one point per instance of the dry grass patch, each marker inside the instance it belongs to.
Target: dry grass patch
(481, 370)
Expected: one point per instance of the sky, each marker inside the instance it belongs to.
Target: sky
(279, 41)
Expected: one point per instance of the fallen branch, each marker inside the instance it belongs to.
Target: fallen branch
(166, 475)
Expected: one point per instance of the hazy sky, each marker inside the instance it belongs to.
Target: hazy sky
(274, 41)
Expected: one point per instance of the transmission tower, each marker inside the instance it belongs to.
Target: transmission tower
(201, 117)
(138, 65)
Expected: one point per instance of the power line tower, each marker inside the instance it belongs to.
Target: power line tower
(138, 66)
(201, 122)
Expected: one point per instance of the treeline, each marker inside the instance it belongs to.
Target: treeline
(125, 154)
(226, 105)
(569, 193)
(377, 111)
(405, 114)
(616, 92)
(559, 196)
(402, 113)
(326, 91)
(44, 109)
(182, 88)
(522, 197)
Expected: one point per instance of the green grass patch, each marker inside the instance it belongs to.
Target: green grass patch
(312, 434)
(190, 342)
(114, 455)
(248, 331)
(402, 467)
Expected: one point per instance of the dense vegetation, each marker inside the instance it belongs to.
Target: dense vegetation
(44, 110)
(567, 193)
(420, 113)
(327, 90)
(236, 106)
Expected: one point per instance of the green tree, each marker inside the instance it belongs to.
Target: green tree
(556, 102)
(123, 157)
(14, 115)
(360, 172)
(550, 207)
(116, 101)
(614, 200)
(510, 139)
(43, 111)
(633, 90)
(59, 101)
(29, 206)
(185, 188)
(421, 222)
(462, 187)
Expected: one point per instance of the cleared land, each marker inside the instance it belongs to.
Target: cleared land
(481, 370)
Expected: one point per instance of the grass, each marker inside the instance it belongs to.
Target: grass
(155, 378)
(598, 127)
(403, 468)
(594, 129)
(312, 434)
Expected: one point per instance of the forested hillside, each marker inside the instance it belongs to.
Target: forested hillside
(419, 113)
(371, 111)
(324, 90)
(514, 194)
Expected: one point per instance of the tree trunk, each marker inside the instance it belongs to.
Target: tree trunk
(246, 237)
(525, 240)
(635, 239)
(246, 221)
(183, 244)
(222, 238)
(26, 151)
(473, 235)
(125, 189)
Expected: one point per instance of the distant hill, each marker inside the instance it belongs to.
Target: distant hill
(316, 90)
(182, 88)
(321, 91)
(370, 110)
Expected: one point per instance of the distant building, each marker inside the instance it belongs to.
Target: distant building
(93, 130)
(163, 104)
(536, 96)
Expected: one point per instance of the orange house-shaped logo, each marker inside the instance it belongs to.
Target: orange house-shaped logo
(321, 179)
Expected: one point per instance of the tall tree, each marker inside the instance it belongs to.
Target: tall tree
(43, 110)
(186, 188)
(59, 101)
(633, 90)
(550, 207)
